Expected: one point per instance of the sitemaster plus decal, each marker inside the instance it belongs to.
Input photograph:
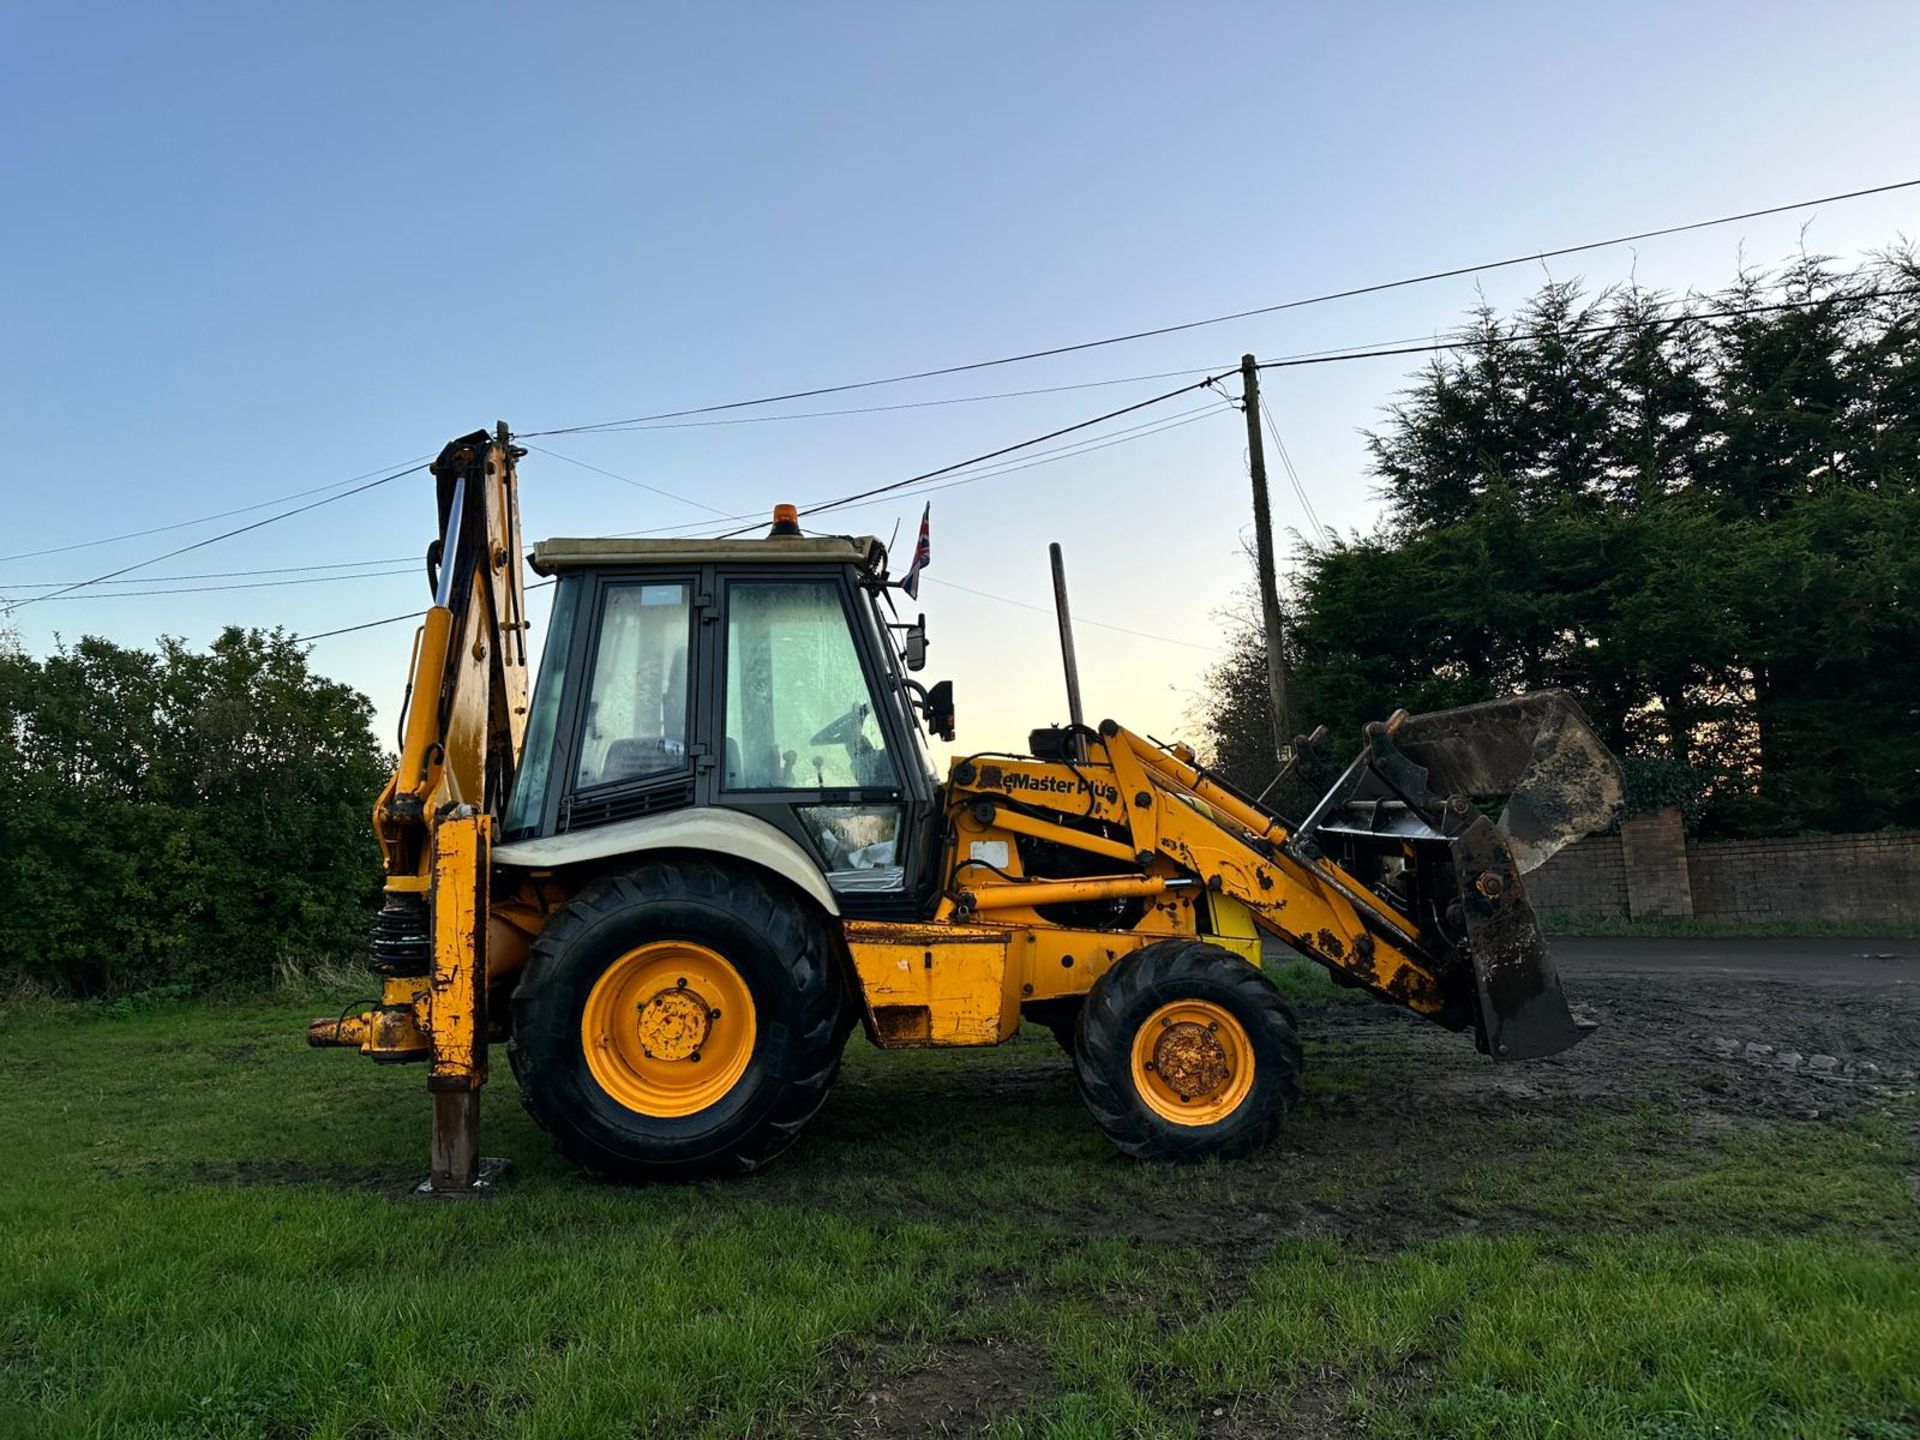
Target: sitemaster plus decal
(992, 777)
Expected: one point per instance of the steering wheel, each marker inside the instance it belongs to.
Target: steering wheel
(844, 731)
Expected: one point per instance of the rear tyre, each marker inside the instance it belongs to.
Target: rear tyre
(1185, 1051)
(680, 1020)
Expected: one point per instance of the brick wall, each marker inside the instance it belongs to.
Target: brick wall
(1588, 879)
(1654, 847)
(1846, 879)
(1838, 879)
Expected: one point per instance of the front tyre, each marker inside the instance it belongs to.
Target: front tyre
(677, 1021)
(1185, 1051)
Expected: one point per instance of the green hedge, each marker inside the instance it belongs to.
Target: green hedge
(174, 817)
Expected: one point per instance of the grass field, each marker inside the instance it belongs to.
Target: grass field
(203, 1231)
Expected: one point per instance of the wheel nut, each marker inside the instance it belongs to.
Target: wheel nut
(1212, 1025)
(1166, 1023)
(1147, 1066)
(695, 1057)
(713, 1014)
(681, 983)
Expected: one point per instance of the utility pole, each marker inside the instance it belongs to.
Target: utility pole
(1263, 558)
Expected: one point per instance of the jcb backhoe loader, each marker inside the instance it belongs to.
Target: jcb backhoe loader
(711, 843)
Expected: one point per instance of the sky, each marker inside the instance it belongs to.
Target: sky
(254, 250)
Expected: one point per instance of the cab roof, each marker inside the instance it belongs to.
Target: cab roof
(553, 556)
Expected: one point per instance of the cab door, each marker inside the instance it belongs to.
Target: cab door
(811, 735)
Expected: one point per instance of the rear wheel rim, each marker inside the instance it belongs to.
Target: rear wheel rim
(668, 1029)
(1192, 1063)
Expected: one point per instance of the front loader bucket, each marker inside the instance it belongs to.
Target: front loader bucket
(1415, 784)
(1523, 1012)
(1539, 750)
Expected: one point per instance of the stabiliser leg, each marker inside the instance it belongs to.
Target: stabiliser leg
(457, 1007)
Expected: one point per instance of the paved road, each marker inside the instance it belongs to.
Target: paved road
(1845, 961)
(1824, 961)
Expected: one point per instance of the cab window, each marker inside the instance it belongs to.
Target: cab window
(799, 713)
(635, 726)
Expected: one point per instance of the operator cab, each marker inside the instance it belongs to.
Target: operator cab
(752, 675)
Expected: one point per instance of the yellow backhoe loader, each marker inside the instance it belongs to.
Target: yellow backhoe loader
(676, 873)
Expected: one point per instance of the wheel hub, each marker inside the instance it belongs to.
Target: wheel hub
(669, 1028)
(1191, 1060)
(674, 1024)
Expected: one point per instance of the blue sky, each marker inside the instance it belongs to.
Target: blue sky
(249, 250)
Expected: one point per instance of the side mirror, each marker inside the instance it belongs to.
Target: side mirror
(916, 645)
(938, 708)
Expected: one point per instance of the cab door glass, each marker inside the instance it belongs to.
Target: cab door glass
(799, 714)
(635, 725)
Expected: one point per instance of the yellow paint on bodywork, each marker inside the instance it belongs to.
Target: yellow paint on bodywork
(1131, 797)
(457, 991)
(935, 984)
(1230, 926)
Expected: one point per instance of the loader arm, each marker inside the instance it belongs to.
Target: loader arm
(460, 741)
(1441, 926)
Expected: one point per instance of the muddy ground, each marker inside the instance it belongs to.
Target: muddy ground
(1407, 1135)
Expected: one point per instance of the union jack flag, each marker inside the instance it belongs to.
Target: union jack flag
(922, 552)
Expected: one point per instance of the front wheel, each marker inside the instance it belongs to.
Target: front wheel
(677, 1021)
(1185, 1051)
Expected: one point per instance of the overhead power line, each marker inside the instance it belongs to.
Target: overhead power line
(626, 480)
(227, 574)
(618, 429)
(214, 539)
(1687, 317)
(1348, 294)
(408, 565)
(414, 569)
(1123, 436)
(385, 620)
(1008, 449)
(968, 471)
(203, 519)
(1325, 298)
(1293, 476)
(1071, 452)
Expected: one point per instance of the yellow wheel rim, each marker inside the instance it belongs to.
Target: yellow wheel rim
(1192, 1062)
(668, 1029)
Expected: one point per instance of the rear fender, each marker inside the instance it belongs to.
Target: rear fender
(719, 832)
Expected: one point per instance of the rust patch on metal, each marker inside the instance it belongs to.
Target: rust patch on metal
(913, 933)
(1329, 945)
(674, 1025)
(903, 1024)
(1191, 1060)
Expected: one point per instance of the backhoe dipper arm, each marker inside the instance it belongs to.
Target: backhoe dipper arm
(467, 694)
(460, 742)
